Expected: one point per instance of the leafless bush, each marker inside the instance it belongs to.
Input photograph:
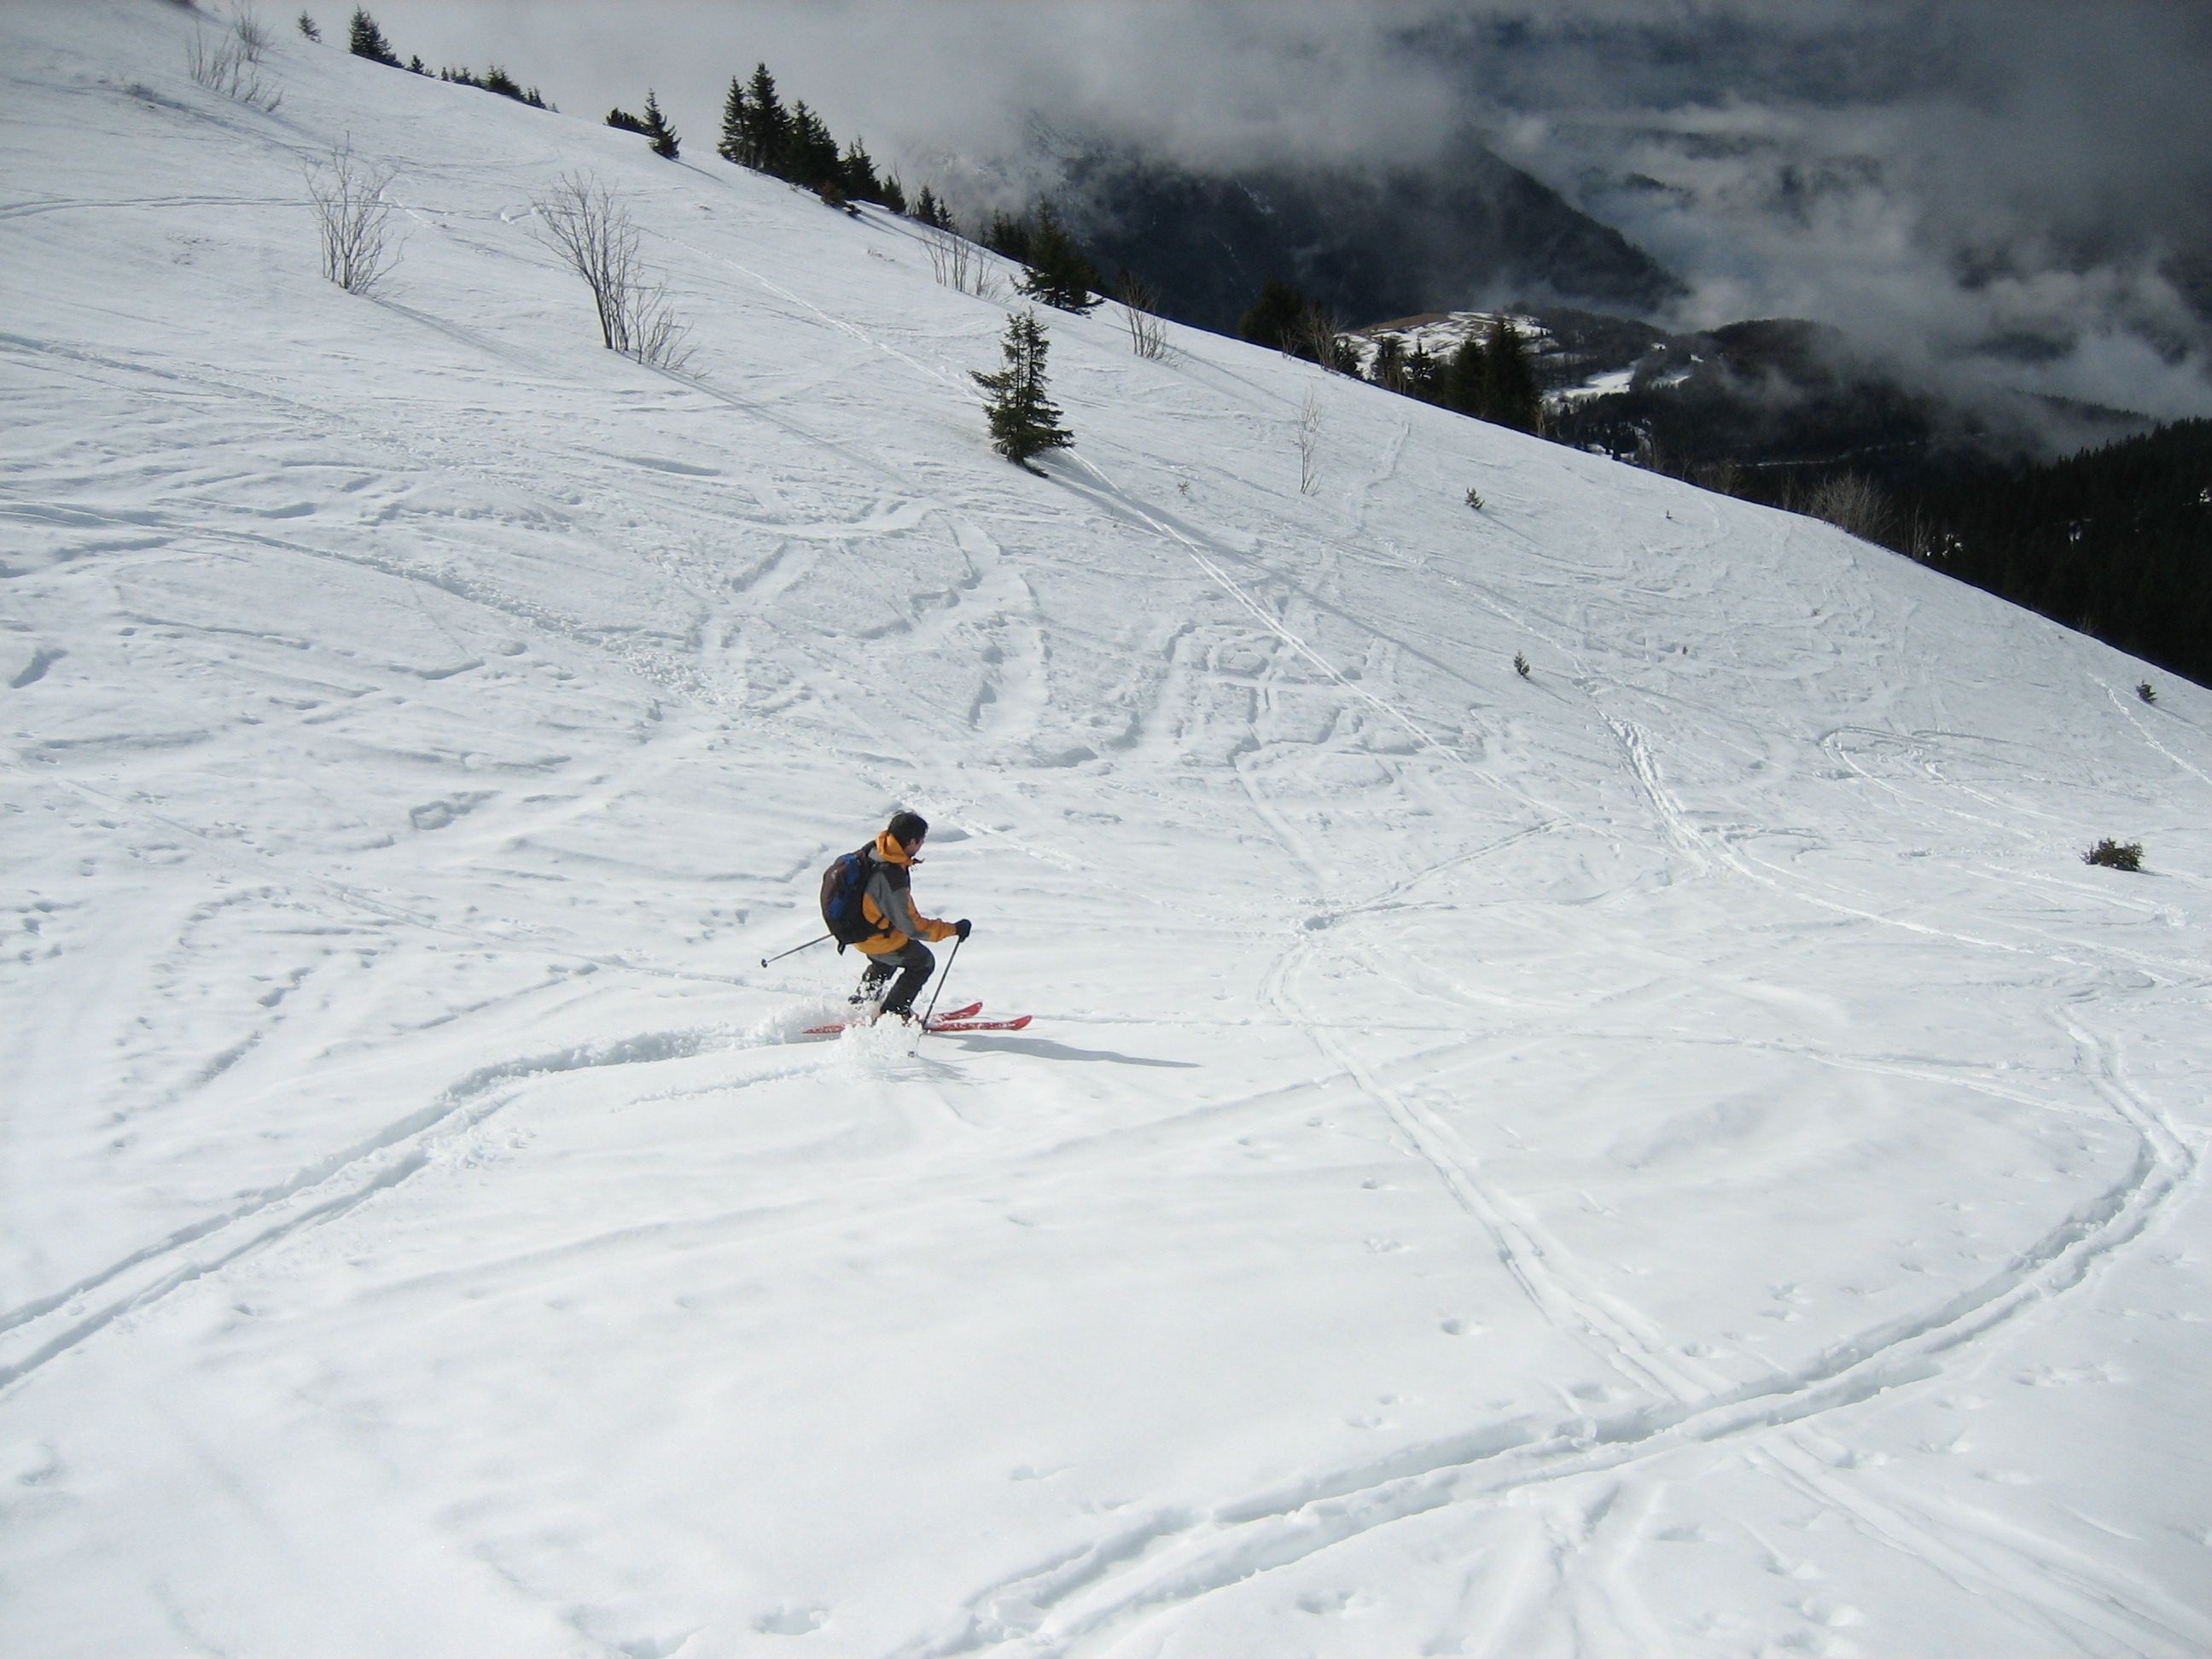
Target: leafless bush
(355, 219)
(658, 338)
(960, 265)
(251, 35)
(224, 63)
(1309, 442)
(583, 222)
(1854, 502)
(1139, 302)
(1315, 336)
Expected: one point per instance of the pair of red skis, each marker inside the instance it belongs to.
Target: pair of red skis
(959, 1019)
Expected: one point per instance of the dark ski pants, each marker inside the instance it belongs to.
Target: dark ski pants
(913, 963)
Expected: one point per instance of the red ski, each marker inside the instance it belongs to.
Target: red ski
(947, 1024)
(937, 1025)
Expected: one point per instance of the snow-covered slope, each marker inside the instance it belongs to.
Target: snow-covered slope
(1674, 1155)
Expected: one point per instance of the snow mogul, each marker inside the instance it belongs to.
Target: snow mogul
(867, 902)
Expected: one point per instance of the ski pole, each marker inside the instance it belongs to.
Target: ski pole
(793, 951)
(939, 991)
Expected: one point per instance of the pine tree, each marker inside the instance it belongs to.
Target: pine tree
(1425, 375)
(768, 127)
(1009, 234)
(930, 210)
(1056, 270)
(1388, 368)
(655, 127)
(892, 194)
(307, 27)
(733, 146)
(1024, 421)
(621, 118)
(1274, 317)
(1463, 379)
(364, 40)
(856, 171)
(1509, 384)
(497, 80)
(810, 151)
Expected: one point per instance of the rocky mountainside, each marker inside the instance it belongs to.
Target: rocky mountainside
(1364, 244)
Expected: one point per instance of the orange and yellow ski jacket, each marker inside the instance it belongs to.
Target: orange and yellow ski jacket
(888, 901)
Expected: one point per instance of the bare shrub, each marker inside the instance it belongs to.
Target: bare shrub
(1854, 502)
(1309, 442)
(960, 265)
(583, 222)
(225, 63)
(1139, 302)
(250, 33)
(354, 218)
(1474, 498)
(1316, 335)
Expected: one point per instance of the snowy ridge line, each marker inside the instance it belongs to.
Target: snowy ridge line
(389, 1152)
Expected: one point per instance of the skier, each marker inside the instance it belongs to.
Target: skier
(888, 904)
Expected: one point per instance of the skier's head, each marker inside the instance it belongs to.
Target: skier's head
(908, 830)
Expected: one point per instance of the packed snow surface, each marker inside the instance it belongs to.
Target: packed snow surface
(1675, 1154)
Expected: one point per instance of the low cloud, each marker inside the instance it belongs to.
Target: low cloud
(2013, 187)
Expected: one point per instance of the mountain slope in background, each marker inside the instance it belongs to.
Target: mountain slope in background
(1364, 245)
(1673, 1154)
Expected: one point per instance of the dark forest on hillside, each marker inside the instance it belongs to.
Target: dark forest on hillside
(2116, 542)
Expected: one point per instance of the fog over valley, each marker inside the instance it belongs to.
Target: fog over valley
(2015, 191)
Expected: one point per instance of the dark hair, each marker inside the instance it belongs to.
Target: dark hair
(908, 828)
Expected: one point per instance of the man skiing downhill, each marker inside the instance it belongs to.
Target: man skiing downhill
(888, 905)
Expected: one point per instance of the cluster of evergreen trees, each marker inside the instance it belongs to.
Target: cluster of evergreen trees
(1055, 268)
(796, 145)
(364, 40)
(653, 124)
(1489, 377)
(2116, 542)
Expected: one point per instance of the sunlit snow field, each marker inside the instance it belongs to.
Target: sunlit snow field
(1674, 1155)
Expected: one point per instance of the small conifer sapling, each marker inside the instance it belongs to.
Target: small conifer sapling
(2148, 692)
(1056, 269)
(655, 127)
(307, 27)
(1024, 422)
(364, 40)
(2116, 854)
(1521, 664)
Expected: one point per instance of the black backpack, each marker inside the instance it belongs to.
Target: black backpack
(843, 885)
